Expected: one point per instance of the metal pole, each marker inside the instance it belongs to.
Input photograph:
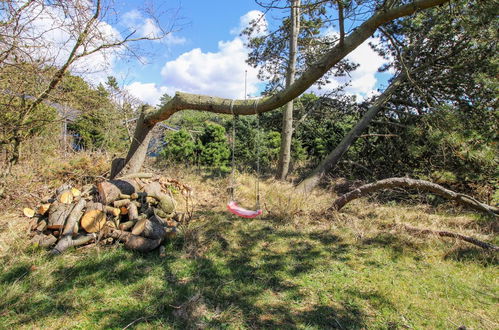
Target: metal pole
(245, 84)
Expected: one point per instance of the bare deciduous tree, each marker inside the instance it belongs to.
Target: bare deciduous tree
(40, 42)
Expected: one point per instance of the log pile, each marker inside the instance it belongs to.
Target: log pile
(140, 213)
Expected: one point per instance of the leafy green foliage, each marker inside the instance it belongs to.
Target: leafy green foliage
(214, 147)
(208, 147)
(180, 147)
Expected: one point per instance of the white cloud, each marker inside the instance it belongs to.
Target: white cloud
(253, 16)
(363, 80)
(220, 73)
(148, 93)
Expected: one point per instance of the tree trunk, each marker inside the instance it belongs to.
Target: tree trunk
(334, 156)
(414, 184)
(138, 149)
(14, 155)
(287, 117)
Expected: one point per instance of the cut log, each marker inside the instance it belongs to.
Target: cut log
(42, 209)
(414, 184)
(74, 217)
(138, 228)
(153, 229)
(151, 200)
(42, 225)
(29, 212)
(121, 202)
(93, 221)
(149, 228)
(55, 227)
(133, 212)
(43, 240)
(58, 213)
(75, 192)
(127, 225)
(111, 224)
(112, 210)
(66, 242)
(110, 191)
(108, 209)
(66, 197)
(133, 242)
(165, 202)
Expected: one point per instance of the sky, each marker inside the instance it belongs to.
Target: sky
(205, 53)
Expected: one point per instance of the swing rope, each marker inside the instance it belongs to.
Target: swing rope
(257, 147)
(231, 205)
(233, 160)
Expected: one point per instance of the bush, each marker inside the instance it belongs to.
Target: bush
(180, 147)
(214, 147)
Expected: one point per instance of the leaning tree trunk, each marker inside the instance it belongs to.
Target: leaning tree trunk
(184, 101)
(138, 149)
(434, 188)
(287, 117)
(334, 156)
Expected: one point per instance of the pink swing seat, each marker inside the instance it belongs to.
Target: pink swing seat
(242, 212)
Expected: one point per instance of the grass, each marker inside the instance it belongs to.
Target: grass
(297, 267)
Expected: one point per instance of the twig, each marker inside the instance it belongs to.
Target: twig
(135, 321)
(441, 233)
(136, 175)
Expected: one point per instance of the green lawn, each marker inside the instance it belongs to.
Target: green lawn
(225, 272)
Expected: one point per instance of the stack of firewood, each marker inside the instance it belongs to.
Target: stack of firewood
(135, 211)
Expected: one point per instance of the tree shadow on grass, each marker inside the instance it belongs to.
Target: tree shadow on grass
(474, 254)
(398, 245)
(254, 280)
(245, 277)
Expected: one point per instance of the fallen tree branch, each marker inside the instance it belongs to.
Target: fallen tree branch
(434, 188)
(136, 176)
(443, 233)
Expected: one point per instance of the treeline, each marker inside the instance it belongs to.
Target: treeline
(445, 146)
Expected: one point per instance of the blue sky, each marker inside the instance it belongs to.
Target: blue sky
(205, 53)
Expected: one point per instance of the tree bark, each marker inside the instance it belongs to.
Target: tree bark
(434, 188)
(138, 149)
(287, 117)
(133, 242)
(334, 156)
(184, 101)
(166, 203)
(58, 213)
(110, 191)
